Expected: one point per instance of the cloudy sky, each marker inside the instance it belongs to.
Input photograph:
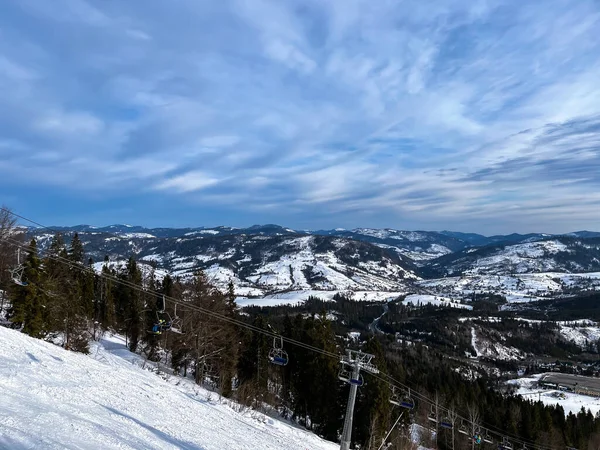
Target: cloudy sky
(467, 115)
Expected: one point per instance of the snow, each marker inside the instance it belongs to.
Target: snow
(474, 342)
(516, 288)
(527, 388)
(580, 335)
(426, 299)
(495, 350)
(55, 399)
(300, 296)
(137, 236)
(208, 232)
(520, 258)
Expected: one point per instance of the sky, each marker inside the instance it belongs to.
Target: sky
(479, 115)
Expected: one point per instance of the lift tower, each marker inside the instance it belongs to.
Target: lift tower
(357, 361)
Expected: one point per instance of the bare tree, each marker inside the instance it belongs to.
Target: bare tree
(474, 420)
(10, 237)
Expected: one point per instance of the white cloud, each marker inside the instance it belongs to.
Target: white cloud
(425, 110)
(188, 182)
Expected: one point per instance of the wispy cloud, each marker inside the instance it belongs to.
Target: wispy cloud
(311, 113)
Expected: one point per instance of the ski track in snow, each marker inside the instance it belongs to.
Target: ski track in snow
(55, 399)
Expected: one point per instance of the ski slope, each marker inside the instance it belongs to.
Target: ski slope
(55, 399)
(571, 402)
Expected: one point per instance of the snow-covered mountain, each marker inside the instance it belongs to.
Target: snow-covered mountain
(56, 399)
(259, 261)
(420, 246)
(555, 254)
(266, 259)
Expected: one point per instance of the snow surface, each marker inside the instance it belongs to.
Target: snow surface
(486, 348)
(300, 296)
(516, 288)
(137, 236)
(426, 299)
(527, 388)
(580, 335)
(521, 258)
(55, 399)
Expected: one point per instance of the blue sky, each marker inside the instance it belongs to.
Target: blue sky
(472, 115)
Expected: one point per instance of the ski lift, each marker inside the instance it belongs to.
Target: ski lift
(358, 382)
(345, 374)
(277, 355)
(175, 321)
(394, 400)
(446, 423)
(163, 319)
(432, 416)
(407, 402)
(17, 272)
(463, 429)
(505, 445)
(487, 438)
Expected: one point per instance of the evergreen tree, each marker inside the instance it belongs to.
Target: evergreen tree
(28, 301)
(76, 252)
(107, 300)
(134, 307)
(231, 347)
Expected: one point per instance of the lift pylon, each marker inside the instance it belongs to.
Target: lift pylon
(357, 361)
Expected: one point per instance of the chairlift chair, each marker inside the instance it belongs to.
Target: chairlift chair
(487, 438)
(432, 416)
(463, 429)
(163, 319)
(176, 322)
(505, 445)
(17, 272)
(277, 355)
(345, 374)
(394, 400)
(446, 423)
(407, 401)
(358, 382)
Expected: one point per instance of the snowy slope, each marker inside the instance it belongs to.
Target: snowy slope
(485, 347)
(516, 288)
(55, 399)
(559, 254)
(259, 265)
(571, 403)
(426, 299)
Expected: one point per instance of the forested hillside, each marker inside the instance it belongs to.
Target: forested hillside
(198, 330)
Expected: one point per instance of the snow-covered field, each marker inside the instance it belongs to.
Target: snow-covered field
(300, 296)
(425, 299)
(55, 399)
(516, 288)
(527, 388)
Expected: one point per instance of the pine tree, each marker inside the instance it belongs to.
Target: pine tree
(107, 299)
(76, 253)
(28, 301)
(231, 347)
(134, 306)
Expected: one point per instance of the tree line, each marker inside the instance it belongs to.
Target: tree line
(68, 299)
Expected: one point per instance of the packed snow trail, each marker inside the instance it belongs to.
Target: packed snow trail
(55, 399)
